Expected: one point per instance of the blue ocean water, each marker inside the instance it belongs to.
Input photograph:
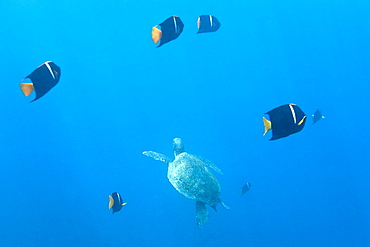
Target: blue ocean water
(119, 96)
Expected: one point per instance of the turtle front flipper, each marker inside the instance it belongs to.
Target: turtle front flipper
(157, 156)
(209, 164)
(202, 214)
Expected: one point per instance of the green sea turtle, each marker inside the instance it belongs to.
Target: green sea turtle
(191, 176)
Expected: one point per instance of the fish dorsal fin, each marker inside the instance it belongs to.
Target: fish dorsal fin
(267, 125)
(111, 202)
(157, 156)
(27, 88)
(209, 163)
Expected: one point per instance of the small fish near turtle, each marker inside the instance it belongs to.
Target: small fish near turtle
(245, 188)
(167, 31)
(115, 202)
(284, 121)
(191, 177)
(43, 78)
(317, 116)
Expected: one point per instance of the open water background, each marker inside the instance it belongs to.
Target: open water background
(62, 155)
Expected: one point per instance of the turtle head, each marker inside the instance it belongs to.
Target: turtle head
(178, 147)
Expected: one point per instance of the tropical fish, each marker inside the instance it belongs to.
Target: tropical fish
(115, 202)
(284, 121)
(317, 116)
(245, 188)
(207, 23)
(168, 30)
(44, 78)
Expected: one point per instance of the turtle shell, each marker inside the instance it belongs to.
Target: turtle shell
(192, 178)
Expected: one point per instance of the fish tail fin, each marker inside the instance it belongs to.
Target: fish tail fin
(111, 202)
(267, 125)
(156, 34)
(27, 88)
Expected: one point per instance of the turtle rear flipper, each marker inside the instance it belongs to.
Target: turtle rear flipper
(223, 204)
(202, 214)
(157, 156)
